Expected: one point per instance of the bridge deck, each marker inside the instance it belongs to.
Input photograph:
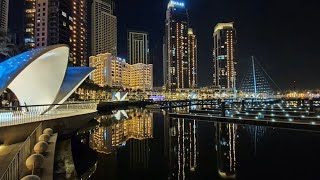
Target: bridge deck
(11, 119)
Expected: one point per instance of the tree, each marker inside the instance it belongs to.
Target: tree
(7, 48)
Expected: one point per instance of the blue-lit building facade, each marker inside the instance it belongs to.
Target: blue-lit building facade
(176, 65)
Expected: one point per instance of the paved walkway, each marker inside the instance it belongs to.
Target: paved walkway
(7, 153)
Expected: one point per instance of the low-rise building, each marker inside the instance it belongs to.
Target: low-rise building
(115, 72)
(138, 77)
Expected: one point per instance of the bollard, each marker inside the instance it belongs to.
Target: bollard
(299, 102)
(223, 108)
(170, 106)
(242, 105)
(311, 108)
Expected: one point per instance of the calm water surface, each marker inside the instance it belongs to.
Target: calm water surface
(143, 144)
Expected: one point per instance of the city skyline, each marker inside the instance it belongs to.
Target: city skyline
(258, 31)
(264, 29)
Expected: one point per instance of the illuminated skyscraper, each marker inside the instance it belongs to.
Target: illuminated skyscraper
(224, 38)
(104, 28)
(176, 45)
(29, 23)
(57, 21)
(78, 40)
(4, 8)
(41, 23)
(138, 47)
(62, 22)
(192, 58)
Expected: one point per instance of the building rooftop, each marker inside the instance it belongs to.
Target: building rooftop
(220, 26)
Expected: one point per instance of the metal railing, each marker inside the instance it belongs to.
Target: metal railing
(25, 114)
(17, 168)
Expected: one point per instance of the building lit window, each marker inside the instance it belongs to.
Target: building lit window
(64, 14)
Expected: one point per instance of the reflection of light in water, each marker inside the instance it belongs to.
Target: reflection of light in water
(136, 124)
(120, 115)
(226, 135)
(184, 141)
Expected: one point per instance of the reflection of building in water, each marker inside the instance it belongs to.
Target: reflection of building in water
(183, 144)
(256, 133)
(139, 153)
(226, 135)
(138, 125)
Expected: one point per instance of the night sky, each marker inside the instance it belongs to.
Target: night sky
(283, 35)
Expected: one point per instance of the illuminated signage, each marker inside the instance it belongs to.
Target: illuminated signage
(175, 3)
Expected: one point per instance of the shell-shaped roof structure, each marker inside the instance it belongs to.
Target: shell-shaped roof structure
(42, 76)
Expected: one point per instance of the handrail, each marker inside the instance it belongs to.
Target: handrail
(69, 103)
(28, 114)
(17, 166)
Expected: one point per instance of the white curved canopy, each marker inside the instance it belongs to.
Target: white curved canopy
(40, 76)
(40, 81)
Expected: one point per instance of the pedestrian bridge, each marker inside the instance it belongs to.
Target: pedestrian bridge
(10, 116)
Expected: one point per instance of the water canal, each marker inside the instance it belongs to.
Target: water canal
(143, 144)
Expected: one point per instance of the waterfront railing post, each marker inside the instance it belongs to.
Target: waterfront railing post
(299, 102)
(242, 105)
(219, 101)
(311, 108)
(223, 108)
(170, 106)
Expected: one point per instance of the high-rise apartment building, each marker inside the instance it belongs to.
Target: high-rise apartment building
(59, 25)
(53, 23)
(192, 58)
(41, 23)
(4, 11)
(224, 38)
(176, 45)
(138, 47)
(16, 18)
(103, 28)
(78, 41)
(62, 22)
(29, 23)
